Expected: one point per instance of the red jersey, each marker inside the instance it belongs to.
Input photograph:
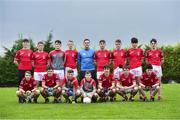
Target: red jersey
(102, 58)
(135, 56)
(24, 57)
(106, 80)
(118, 57)
(71, 58)
(126, 80)
(50, 81)
(88, 86)
(149, 80)
(28, 85)
(56, 58)
(40, 61)
(154, 57)
(73, 83)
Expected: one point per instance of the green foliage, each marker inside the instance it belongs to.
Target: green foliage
(171, 66)
(8, 70)
(48, 43)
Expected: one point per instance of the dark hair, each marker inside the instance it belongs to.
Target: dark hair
(49, 68)
(86, 40)
(28, 72)
(41, 42)
(58, 41)
(102, 41)
(149, 66)
(120, 66)
(126, 67)
(107, 67)
(87, 72)
(25, 40)
(134, 40)
(118, 40)
(70, 41)
(153, 40)
(70, 71)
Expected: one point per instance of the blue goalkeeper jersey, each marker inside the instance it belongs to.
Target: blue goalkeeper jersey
(86, 59)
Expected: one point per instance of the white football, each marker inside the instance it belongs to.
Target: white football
(86, 100)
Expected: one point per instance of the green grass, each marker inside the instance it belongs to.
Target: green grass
(167, 108)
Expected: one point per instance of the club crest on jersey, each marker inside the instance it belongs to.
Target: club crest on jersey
(21, 53)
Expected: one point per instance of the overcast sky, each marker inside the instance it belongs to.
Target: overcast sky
(93, 19)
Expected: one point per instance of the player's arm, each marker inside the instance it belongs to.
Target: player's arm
(94, 88)
(57, 84)
(162, 58)
(21, 89)
(119, 84)
(113, 85)
(44, 85)
(146, 57)
(100, 85)
(157, 81)
(95, 58)
(79, 59)
(63, 85)
(81, 87)
(141, 82)
(64, 58)
(133, 85)
(16, 59)
(35, 86)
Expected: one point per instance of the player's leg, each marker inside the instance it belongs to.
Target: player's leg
(133, 92)
(122, 93)
(35, 95)
(56, 94)
(93, 74)
(158, 71)
(112, 94)
(21, 95)
(101, 95)
(45, 94)
(94, 97)
(77, 95)
(154, 91)
(142, 91)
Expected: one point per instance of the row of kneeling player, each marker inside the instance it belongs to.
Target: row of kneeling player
(106, 90)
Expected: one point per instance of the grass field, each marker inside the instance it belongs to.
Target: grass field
(167, 108)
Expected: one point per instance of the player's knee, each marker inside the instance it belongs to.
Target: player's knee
(114, 90)
(99, 90)
(37, 92)
(78, 92)
(95, 95)
(18, 93)
(63, 92)
(158, 87)
(136, 88)
(117, 89)
(41, 89)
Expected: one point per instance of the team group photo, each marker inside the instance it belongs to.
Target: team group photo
(91, 59)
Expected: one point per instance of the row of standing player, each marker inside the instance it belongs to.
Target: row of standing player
(87, 58)
(107, 88)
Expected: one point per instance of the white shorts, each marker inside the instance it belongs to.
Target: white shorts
(99, 74)
(157, 70)
(75, 71)
(39, 75)
(117, 72)
(60, 73)
(137, 71)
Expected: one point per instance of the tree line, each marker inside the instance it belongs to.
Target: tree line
(8, 70)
